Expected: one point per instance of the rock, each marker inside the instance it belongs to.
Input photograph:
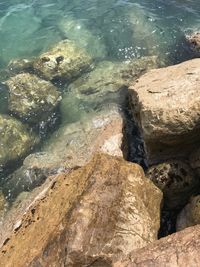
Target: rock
(3, 206)
(177, 181)
(195, 160)
(15, 140)
(179, 249)
(70, 146)
(30, 98)
(76, 30)
(194, 41)
(107, 83)
(3, 99)
(165, 103)
(190, 215)
(63, 62)
(17, 66)
(106, 208)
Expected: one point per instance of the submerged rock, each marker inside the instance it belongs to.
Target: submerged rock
(195, 160)
(15, 140)
(106, 208)
(190, 215)
(165, 103)
(75, 29)
(64, 62)
(107, 83)
(177, 181)
(30, 98)
(70, 146)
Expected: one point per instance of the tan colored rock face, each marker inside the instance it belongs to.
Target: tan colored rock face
(63, 62)
(177, 250)
(31, 98)
(106, 208)
(177, 181)
(166, 103)
(190, 215)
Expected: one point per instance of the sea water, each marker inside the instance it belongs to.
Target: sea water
(114, 30)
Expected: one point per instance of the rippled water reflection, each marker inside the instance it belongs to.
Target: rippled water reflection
(119, 29)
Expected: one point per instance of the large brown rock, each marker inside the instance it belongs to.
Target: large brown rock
(180, 249)
(165, 103)
(106, 208)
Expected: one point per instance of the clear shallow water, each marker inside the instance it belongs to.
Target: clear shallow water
(124, 29)
(116, 30)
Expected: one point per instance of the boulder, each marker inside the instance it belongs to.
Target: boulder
(195, 160)
(107, 83)
(179, 249)
(165, 103)
(15, 140)
(31, 98)
(194, 41)
(70, 146)
(63, 62)
(106, 208)
(177, 180)
(190, 215)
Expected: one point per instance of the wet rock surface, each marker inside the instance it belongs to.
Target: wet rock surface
(31, 98)
(107, 194)
(15, 139)
(165, 103)
(64, 62)
(177, 180)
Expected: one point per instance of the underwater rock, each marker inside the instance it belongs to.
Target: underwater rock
(17, 66)
(106, 208)
(15, 140)
(165, 103)
(195, 160)
(75, 29)
(177, 181)
(31, 99)
(64, 62)
(190, 215)
(194, 41)
(107, 83)
(179, 249)
(70, 146)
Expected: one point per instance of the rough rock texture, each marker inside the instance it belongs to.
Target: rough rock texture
(177, 181)
(165, 103)
(108, 78)
(72, 145)
(63, 62)
(15, 140)
(194, 40)
(106, 208)
(31, 98)
(180, 249)
(190, 215)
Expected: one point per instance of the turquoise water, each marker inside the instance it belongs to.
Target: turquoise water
(117, 29)
(114, 30)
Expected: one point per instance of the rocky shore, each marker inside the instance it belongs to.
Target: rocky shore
(70, 195)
